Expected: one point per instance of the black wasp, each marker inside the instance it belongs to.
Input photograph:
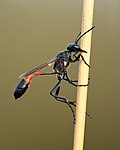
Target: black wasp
(61, 62)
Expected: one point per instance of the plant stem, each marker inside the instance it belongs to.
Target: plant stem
(83, 75)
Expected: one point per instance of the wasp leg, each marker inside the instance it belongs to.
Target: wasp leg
(84, 60)
(77, 58)
(72, 81)
(55, 91)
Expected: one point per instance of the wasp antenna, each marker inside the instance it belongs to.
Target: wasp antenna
(76, 40)
(84, 34)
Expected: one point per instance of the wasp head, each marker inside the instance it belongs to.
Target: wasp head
(73, 47)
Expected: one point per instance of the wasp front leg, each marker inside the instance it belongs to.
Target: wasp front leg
(84, 61)
(77, 58)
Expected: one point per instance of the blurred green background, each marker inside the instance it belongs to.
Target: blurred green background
(32, 32)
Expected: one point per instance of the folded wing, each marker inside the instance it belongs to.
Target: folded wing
(38, 68)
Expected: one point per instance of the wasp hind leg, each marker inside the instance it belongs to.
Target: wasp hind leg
(55, 91)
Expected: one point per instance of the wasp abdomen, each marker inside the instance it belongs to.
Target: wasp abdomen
(21, 88)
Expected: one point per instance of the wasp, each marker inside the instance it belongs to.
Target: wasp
(60, 62)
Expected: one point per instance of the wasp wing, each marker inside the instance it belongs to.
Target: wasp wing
(41, 66)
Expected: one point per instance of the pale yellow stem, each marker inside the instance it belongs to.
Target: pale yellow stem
(87, 19)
